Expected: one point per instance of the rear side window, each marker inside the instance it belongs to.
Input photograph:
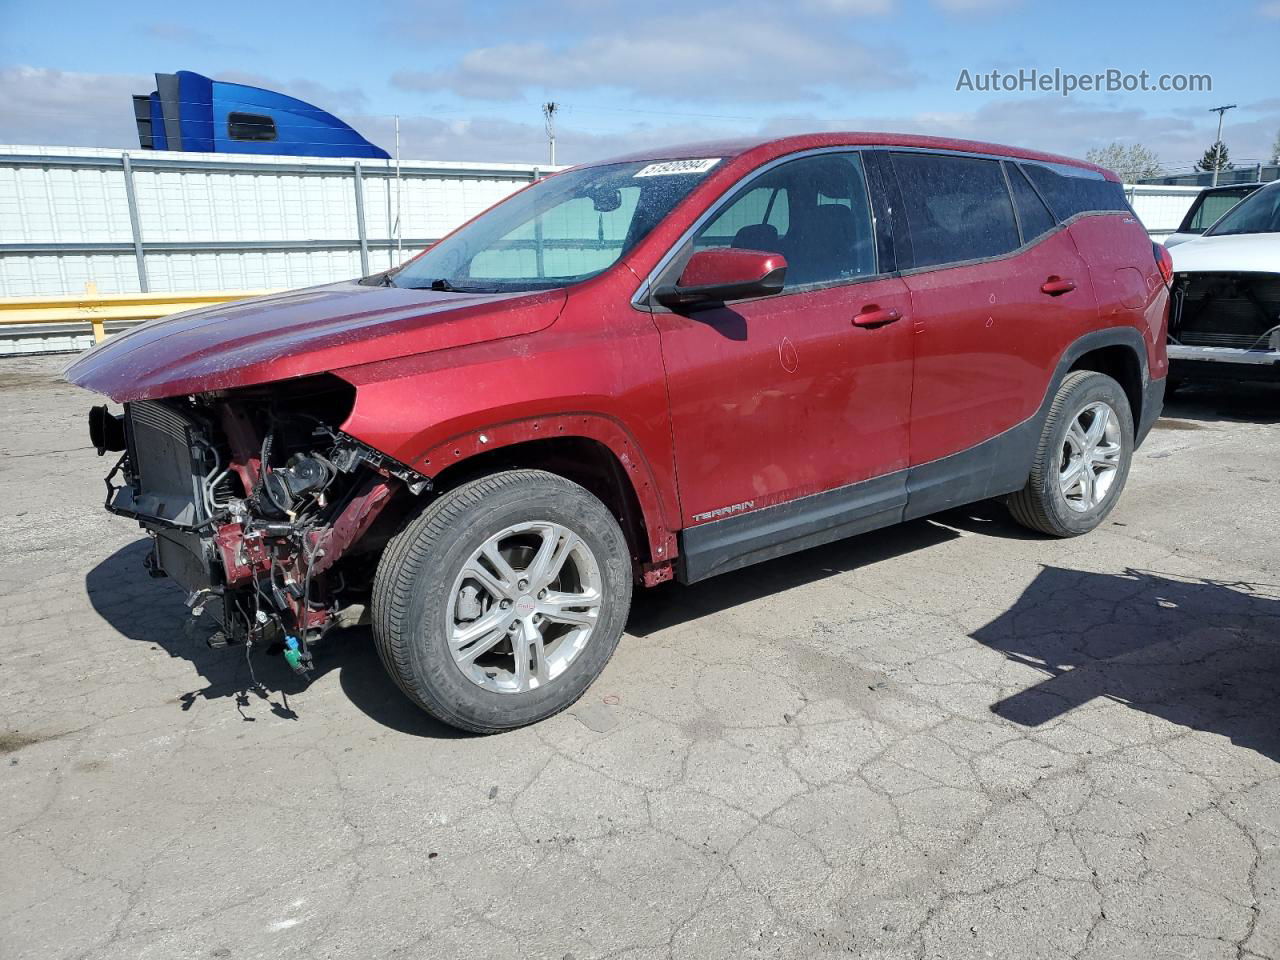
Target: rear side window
(1073, 190)
(251, 126)
(958, 208)
(814, 211)
(1033, 215)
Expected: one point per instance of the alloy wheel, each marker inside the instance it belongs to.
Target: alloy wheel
(1091, 455)
(523, 607)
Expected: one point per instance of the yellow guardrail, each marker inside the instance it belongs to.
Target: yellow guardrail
(98, 309)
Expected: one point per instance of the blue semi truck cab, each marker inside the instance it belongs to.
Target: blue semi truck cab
(189, 111)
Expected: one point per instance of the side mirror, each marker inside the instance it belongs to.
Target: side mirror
(717, 276)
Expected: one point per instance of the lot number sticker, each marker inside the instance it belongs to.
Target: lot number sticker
(670, 168)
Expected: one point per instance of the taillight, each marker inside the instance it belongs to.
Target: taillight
(1164, 260)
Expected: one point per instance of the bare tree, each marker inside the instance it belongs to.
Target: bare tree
(1131, 162)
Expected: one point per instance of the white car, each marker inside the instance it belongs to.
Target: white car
(1209, 205)
(1224, 321)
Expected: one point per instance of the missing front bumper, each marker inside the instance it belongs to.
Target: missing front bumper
(1223, 363)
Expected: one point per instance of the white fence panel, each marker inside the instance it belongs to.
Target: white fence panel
(214, 222)
(1160, 208)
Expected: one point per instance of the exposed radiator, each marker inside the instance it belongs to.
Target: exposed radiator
(1206, 338)
(160, 450)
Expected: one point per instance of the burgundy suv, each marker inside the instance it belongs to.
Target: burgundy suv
(670, 365)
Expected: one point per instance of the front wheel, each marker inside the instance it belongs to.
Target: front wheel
(501, 603)
(1082, 460)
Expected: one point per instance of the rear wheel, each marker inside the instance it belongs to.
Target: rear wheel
(503, 601)
(1082, 460)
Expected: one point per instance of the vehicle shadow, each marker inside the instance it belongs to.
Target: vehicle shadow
(675, 603)
(1196, 652)
(1200, 653)
(990, 518)
(1214, 401)
(154, 612)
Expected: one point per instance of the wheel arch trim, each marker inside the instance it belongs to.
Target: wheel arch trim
(604, 430)
(1147, 399)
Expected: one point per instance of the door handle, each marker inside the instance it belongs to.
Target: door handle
(1057, 286)
(872, 316)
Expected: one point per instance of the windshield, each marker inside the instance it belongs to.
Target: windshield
(1258, 213)
(562, 230)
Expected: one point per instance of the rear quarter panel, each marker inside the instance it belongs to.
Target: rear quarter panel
(1126, 280)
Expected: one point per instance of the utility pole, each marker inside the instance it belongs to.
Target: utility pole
(549, 114)
(399, 227)
(1218, 142)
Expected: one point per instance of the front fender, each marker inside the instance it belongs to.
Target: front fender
(605, 385)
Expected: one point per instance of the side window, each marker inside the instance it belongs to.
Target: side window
(1033, 216)
(958, 208)
(759, 207)
(1073, 190)
(251, 126)
(813, 211)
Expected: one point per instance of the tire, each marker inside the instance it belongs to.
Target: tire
(434, 588)
(1043, 504)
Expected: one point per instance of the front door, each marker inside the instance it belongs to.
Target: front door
(783, 405)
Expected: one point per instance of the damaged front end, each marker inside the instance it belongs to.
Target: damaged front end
(1225, 325)
(259, 507)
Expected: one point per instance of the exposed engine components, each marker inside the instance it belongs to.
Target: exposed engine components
(106, 430)
(258, 506)
(295, 656)
(284, 487)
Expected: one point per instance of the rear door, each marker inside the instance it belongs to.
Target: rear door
(778, 400)
(996, 294)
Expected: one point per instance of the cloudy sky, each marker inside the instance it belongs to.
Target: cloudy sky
(468, 79)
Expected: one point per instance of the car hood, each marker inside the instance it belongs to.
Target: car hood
(298, 333)
(1237, 253)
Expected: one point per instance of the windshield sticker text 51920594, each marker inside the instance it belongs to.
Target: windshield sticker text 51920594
(670, 168)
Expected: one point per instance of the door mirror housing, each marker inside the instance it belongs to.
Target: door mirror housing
(717, 276)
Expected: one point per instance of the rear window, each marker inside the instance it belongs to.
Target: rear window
(958, 208)
(1073, 190)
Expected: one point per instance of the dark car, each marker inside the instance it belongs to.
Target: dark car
(666, 366)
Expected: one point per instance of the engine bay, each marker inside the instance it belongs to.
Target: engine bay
(1234, 310)
(258, 506)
